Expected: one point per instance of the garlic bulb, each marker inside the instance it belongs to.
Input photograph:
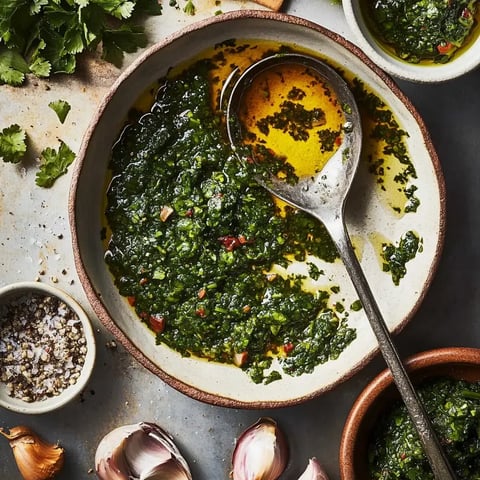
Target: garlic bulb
(261, 452)
(142, 451)
(36, 459)
(314, 471)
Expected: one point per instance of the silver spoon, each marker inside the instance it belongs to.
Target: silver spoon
(323, 195)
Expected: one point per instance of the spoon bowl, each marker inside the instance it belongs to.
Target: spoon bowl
(323, 193)
(326, 188)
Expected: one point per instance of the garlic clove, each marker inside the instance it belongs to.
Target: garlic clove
(110, 462)
(170, 470)
(141, 451)
(36, 459)
(314, 471)
(138, 452)
(113, 466)
(261, 452)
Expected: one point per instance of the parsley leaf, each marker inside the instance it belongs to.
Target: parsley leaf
(55, 164)
(61, 108)
(13, 144)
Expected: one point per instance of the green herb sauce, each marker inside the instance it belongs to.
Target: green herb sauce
(395, 451)
(423, 30)
(202, 251)
(396, 257)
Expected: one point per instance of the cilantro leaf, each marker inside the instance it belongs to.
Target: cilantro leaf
(61, 108)
(12, 67)
(118, 8)
(44, 37)
(124, 39)
(55, 164)
(13, 144)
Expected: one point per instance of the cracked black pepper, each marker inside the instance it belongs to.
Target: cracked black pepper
(42, 347)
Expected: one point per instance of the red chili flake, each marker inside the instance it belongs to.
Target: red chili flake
(157, 322)
(189, 213)
(201, 293)
(230, 242)
(338, 141)
(131, 300)
(143, 281)
(246, 308)
(466, 13)
(288, 347)
(201, 312)
(444, 48)
(243, 240)
(143, 315)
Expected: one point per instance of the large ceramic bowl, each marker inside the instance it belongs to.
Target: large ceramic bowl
(454, 362)
(371, 216)
(466, 60)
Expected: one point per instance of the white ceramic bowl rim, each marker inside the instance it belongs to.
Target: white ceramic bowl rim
(457, 66)
(18, 289)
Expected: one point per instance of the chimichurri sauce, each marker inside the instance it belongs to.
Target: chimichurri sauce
(194, 239)
(202, 252)
(453, 406)
(419, 30)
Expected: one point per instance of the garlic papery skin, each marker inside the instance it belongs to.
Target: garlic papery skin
(261, 452)
(142, 451)
(314, 471)
(36, 459)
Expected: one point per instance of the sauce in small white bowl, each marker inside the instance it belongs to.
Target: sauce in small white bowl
(466, 58)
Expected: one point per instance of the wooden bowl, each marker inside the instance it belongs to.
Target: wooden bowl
(454, 362)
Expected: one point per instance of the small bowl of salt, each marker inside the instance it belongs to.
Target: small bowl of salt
(47, 348)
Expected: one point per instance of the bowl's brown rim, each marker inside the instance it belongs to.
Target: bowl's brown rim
(419, 366)
(95, 299)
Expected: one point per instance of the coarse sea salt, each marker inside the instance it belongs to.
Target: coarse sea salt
(42, 346)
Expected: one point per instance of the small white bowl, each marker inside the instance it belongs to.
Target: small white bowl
(460, 64)
(18, 290)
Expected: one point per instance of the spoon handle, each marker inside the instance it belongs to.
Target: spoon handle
(433, 450)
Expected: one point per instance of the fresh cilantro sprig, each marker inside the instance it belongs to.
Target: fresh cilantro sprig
(45, 37)
(54, 164)
(13, 144)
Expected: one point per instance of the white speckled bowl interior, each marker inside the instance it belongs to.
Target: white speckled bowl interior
(460, 64)
(227, 385)
(17, 405)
